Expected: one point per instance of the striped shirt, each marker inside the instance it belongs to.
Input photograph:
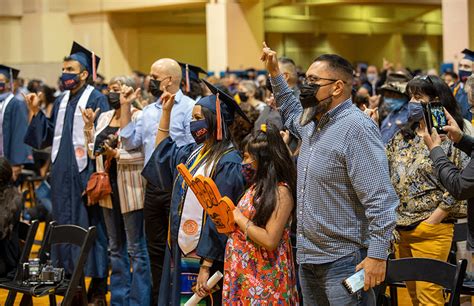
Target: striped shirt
(345, 200)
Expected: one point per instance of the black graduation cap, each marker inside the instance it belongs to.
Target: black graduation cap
(9, 72)
(191, 72)
(87, 58)
(468, 54)
(221, 104)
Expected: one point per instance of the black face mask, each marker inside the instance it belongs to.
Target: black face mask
(114, 99)
(243, 97)
(154, 88)
(308, 95)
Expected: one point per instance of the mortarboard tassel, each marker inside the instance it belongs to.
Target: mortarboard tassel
(219, 119)
(188, 85)
(11, 81)
(94, 72)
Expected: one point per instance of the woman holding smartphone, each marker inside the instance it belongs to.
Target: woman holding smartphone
(427, 212)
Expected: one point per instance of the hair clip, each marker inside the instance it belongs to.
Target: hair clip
(263, 128)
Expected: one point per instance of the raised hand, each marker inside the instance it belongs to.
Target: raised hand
(127, 95)
(89, 115)
(167, 101)
(269, 57)
(374, 101)
(33, 102)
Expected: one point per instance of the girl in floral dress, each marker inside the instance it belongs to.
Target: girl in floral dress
(258, 265)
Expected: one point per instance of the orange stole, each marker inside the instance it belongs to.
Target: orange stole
(218, 208)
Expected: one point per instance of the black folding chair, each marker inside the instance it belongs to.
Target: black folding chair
(60, 234)
(445, 274)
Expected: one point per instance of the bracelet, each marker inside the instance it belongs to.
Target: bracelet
(163, 130)
(247, 228)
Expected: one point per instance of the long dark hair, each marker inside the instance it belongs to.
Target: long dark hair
(216, 148)
(437, 90)
(10, 200)
(274, 166)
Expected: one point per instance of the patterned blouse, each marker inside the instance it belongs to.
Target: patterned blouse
(254, 275)
(419, 190)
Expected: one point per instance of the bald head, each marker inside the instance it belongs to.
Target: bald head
(168, 71)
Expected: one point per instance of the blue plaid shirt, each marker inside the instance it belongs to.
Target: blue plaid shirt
(345, 200)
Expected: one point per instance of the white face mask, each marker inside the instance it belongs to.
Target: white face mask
(371, 77)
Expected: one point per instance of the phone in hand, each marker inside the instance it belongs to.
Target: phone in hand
(435, 116)
(355, 282)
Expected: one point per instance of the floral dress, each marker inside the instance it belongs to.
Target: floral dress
(254, 275)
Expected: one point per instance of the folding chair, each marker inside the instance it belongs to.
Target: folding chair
(60, 234)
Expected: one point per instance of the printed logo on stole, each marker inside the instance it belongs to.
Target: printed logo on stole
(190, 227)
(80, 152)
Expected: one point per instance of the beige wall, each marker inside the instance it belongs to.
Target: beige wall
(412, 50)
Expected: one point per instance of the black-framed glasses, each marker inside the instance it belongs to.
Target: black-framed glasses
(312, 80)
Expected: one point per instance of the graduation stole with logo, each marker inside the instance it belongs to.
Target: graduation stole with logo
(217, 207)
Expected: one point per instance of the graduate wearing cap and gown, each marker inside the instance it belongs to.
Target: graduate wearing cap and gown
(71, 167)
(194, 245)
(190, 81)
(464, 71)
(13, 122)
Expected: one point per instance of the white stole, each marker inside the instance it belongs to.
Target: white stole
(78, 140)
(191, 217)
(5, 104)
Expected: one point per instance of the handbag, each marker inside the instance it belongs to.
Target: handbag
(98, 186)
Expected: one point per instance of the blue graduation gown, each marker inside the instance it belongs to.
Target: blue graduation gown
(161, 171)
(461, 97)
(15, 123)
(68, 184)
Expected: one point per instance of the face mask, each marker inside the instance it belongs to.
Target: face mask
(394, 104)
(3, 85)
(268, 85)
(69, 80)
(248, 172)
(463, 75)
(199, 130)
(308, 95)
(371, 77)
(154, 88)
(415, 111)
(114, 99)
(243, 97)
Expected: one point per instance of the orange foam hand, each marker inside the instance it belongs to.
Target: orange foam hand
(218, 208)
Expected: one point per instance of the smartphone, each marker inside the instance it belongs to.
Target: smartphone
(355, 282)
(438, 117)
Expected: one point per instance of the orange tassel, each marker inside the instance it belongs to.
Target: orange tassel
(188, 85)
(94, 72)
(219, 119)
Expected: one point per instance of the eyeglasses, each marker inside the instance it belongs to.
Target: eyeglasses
(312, 80)
(425, 78)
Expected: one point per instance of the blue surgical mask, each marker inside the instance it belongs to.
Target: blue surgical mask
(394, 104)
(464, 74)
(199, 130)
(70, 80)
(415, 111)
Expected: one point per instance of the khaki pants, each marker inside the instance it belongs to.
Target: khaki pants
(427, 241)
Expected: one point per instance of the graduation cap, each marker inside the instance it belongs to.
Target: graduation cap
(10, 73)
(225, 110)
(191, 72)
(468, 54)
(87, 58)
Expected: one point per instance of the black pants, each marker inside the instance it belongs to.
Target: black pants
(156, 212)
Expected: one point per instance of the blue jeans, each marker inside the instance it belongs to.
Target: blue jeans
(127, 237)
(322, 284)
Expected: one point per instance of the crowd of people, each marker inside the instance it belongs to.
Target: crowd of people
(330, 169)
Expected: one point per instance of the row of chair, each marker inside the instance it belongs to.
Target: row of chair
(448, 275)
(71, 286)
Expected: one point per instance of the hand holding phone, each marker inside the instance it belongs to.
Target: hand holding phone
(355, 282)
